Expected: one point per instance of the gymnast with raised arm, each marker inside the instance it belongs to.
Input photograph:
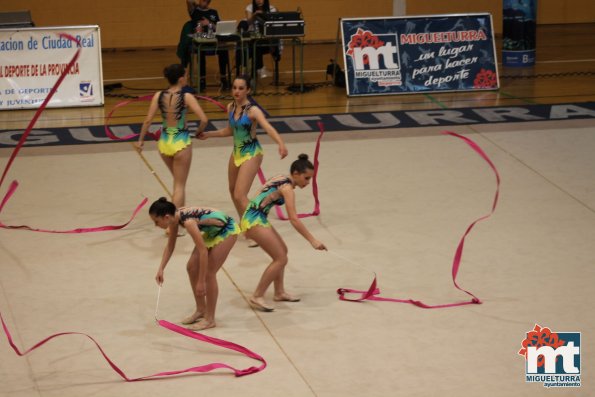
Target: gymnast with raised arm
(246, 157)
(175, 143)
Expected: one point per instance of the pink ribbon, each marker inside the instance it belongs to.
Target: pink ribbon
(171, 327)
(42, 107)
(316, 210)
(21, 142)
(15, 184)
(112, 136)
(216, 103)
(261, 176)
(145, 98)
(372, 292)
(162, 323)
(263, 179)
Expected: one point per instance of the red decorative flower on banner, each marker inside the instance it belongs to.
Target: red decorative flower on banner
(540, 337)
(361, 39)
(485, 79)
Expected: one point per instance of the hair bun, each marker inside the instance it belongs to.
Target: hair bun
(162, 200)
(303, 157)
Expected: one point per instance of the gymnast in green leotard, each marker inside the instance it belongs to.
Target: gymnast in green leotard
(246, 157)
(174, 143)
(214, 235)
(278, 190)
(245, 146)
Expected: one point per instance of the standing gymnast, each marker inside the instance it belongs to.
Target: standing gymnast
(277, 191)
(175, 142)
(246, 157)
(214, 234)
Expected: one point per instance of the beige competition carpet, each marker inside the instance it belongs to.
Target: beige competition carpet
(394, 203)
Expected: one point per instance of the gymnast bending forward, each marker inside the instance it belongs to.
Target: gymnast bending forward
(278, 190)
(214, 234)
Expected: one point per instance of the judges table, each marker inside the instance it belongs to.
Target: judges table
(210, 45)
(280, 43)
(245, 47)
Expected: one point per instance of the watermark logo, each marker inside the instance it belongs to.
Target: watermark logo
(375, 57)
(86, 90)
(552, 358)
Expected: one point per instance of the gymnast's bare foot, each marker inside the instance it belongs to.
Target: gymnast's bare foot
(194, 317)
(202, 325)
(260, 304)
(285, 297)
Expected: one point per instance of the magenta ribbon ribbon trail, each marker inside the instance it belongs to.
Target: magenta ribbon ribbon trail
(165, 324)
(145, 98)
(20, 144)
(261, 176)
(373, 291)
(171, 327)
(13, 186)
(316, 210)
(114, 137)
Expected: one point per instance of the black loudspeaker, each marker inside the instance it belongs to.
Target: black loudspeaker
(16, 19)
(282, 16)
(283, 29)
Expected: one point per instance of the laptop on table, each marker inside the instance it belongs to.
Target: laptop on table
(226, 28)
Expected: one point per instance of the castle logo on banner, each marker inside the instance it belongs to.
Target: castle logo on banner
(552, 358)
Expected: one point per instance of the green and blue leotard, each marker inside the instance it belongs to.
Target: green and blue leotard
(245, 143)
(214, 225)
(173, 139)
(258, 209)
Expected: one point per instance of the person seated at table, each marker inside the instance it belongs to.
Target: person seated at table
(201, 16)
(253, 11)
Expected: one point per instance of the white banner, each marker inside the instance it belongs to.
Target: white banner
(32, 59)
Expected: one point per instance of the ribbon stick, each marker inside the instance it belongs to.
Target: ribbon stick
(211, 340)
(144, 159)
(171, 327)
(162, 323)
(372, 292)
(155, 135)
(157, 304)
